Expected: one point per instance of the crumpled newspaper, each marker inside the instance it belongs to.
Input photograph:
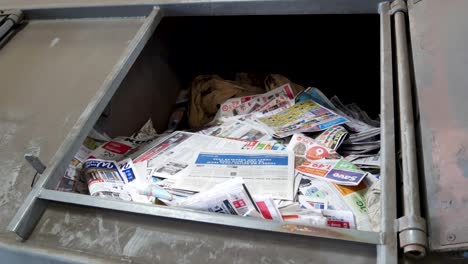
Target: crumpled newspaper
(146, 131)
(209, 92)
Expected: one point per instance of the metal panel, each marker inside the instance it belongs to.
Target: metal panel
(44, 89)
(439, 39)
(122, 237)
(32, 208)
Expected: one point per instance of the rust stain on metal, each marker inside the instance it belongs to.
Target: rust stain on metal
(311, 230)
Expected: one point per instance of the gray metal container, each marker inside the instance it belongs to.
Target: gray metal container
(132, 60)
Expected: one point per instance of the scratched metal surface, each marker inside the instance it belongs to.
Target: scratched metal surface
(49, 72)
(439, 35)
(125, 237)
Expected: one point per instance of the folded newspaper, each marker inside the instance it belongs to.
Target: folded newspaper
(353, 124)
(321, 162)
(137, 185)
(369, 134)
(245, 163)
(264, 172)
(338, 197)
(170, 156)
(272, 100)
(307, 217)
(308, 202)
(267, 207)
(306, 116)
(282, 96)
(332, 137)
(118, 180)
(118, 148)
(105, 180)
(331, 218)
(354, 111)
(360, 147)
(340, 219)
(71, 180)
(228, 197)
(237, 128)
(264, 145)
(365, 161)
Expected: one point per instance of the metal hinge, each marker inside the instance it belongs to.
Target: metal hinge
(412, 234)
(411, 227)
(398, 6)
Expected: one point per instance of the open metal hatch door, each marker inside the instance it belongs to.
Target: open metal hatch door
(50, 64)
(439, 37)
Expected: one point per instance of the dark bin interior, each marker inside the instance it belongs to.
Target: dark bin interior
(338, 54)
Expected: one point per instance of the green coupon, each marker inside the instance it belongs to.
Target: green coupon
(347, 166)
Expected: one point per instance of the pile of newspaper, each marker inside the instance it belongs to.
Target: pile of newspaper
(276, 156)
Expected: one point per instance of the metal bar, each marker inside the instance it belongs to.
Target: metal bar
(32, 208)
(388, 252)
(200, 8)
(412, 225)
(207, 217)
(88, 12)
(410, 169)
(5, 27)
(275, 7)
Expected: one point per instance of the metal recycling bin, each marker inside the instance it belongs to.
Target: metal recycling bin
(141, 55)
